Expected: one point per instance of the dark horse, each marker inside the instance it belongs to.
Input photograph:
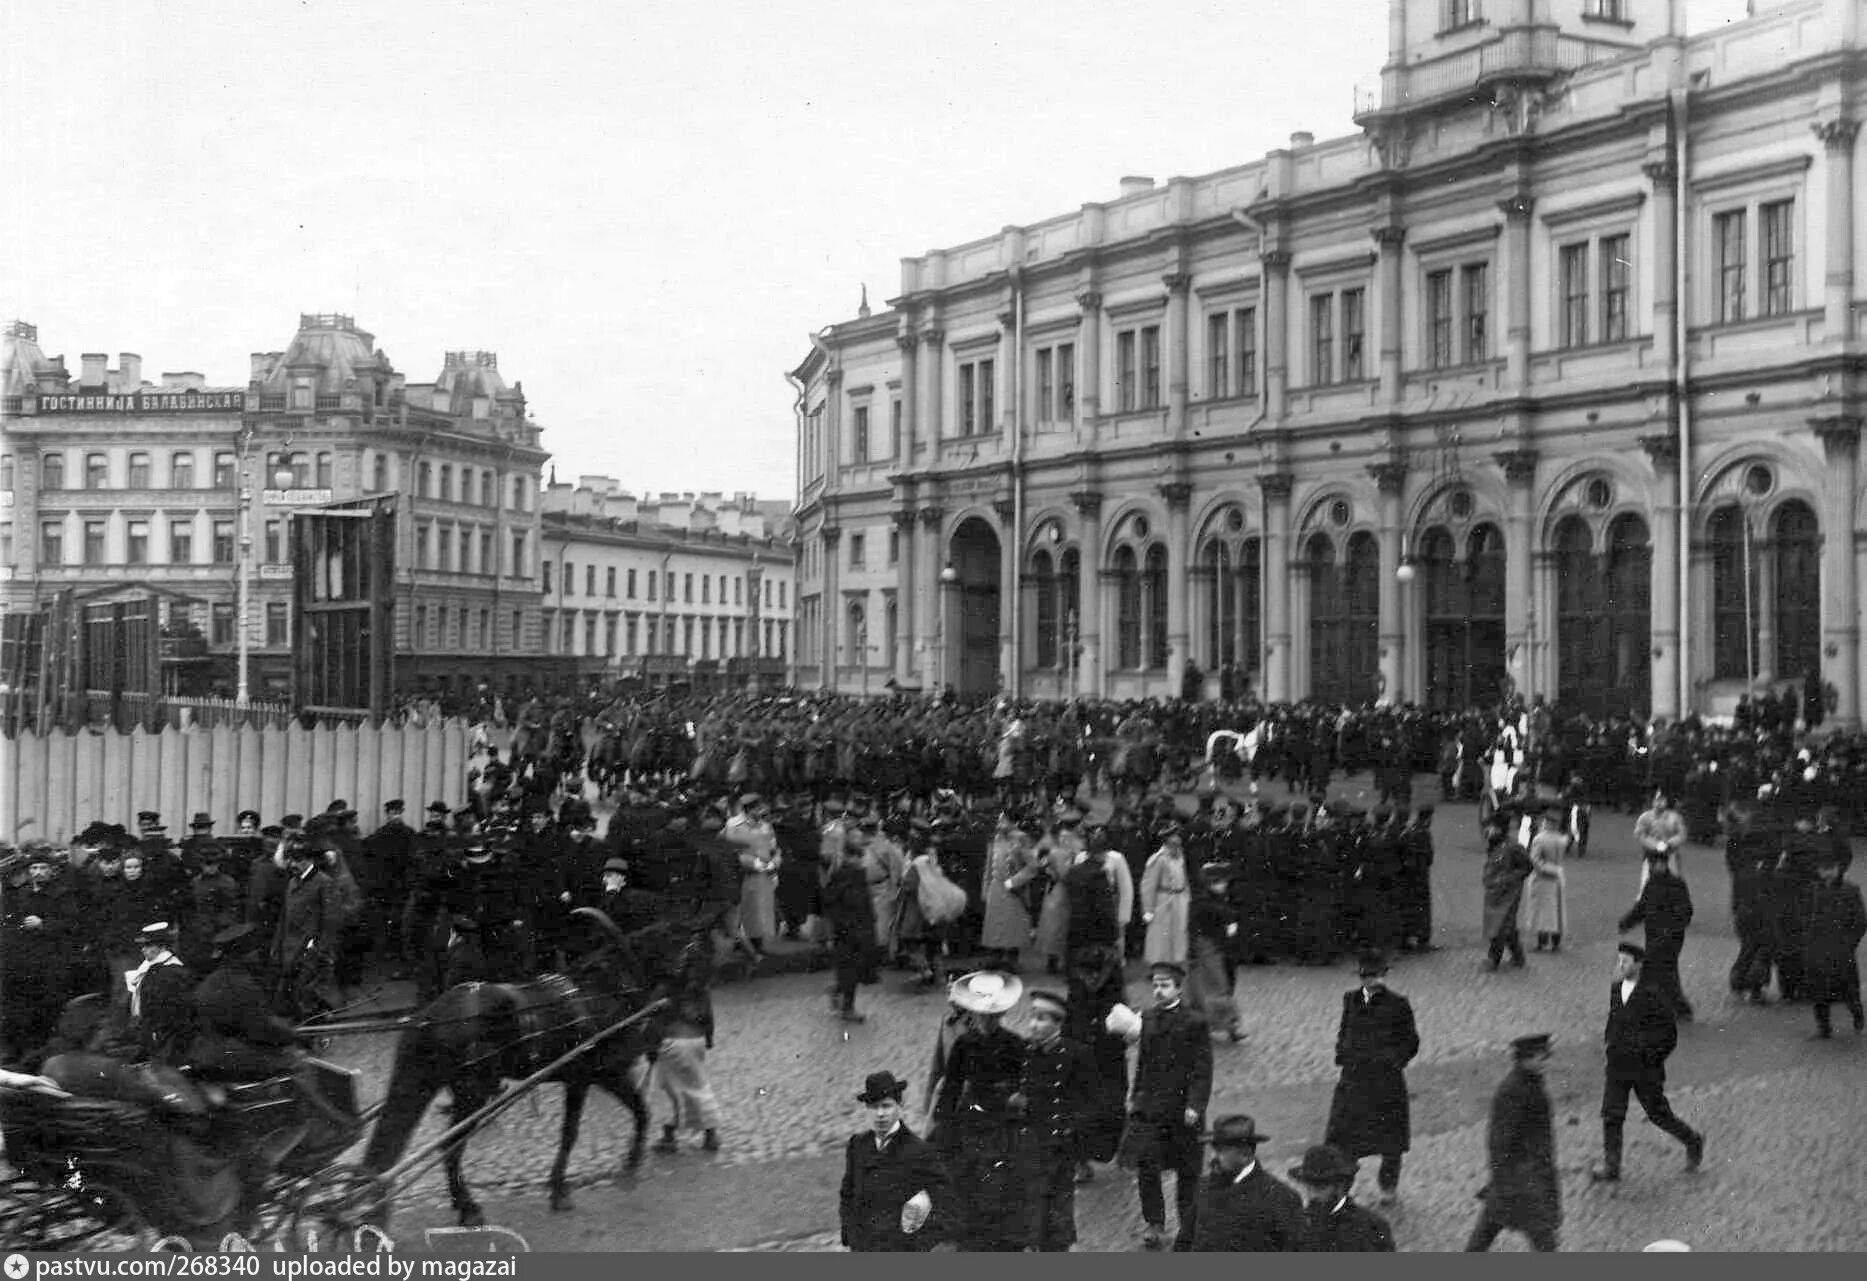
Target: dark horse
(477, 1035)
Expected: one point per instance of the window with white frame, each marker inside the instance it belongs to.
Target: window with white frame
(1606, 10)
(1728, 261)
(1056, 383)
(978, 389)
(1232, 353)
(1137, 368)
(1460, 13)
(1458, 315)
(1776, 224)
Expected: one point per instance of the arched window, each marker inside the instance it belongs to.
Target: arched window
(1328, 606)
(1464, 601)
(1215, 564)
(1044, 586)
(1070, 605)
(52, 472)
(1156, 590)
(1127, 610)
(1795, 543)
(1629, 581)
(1581, 630)
(1733, 621)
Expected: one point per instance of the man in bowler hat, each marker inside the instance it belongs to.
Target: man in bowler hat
(1242, 1206)
(1369, 1114)
(1639, 1036)
(1332, 1222)
(1524, 1193)
(894, 1188)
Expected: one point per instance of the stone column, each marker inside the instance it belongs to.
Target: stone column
(1663, 592)
(910, 397)
(1202, 611)
(907, 603)
(1390, 479)
(1177, 283)
(832, 620)
(1837, 137)
(1176, 495)
(1763, 596)
(1841, 633)
(1517, 211)
(1543, 665)
(1664, 176)
(1390, 239)
(1005, 374)
(1089, 364)
(833, 428)
(932, 596)
(1276, 266)
(1275, 571)
(1010, 565)
(930, 372)
(1519, 468)
(1088, 505)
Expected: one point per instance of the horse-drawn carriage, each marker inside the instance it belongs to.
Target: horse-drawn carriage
(158, 1157)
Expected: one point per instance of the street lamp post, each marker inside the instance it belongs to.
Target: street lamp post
(948, 578)
(1070, 636)
(862, 653)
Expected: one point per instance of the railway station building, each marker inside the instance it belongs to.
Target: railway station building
(1545, 379)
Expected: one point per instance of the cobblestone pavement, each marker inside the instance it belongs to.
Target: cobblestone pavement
(1780, 1109)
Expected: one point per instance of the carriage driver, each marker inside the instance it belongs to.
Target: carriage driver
(239, 1038)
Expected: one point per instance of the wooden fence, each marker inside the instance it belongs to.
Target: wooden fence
(53, 785)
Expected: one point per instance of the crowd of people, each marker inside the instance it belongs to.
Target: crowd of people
(1058, 841)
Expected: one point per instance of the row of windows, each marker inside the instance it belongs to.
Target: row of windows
(660, 635)
(307, 471)
(654, 578)
(93, 543)
(1463, 13)
(433, 629)
(1753, 261)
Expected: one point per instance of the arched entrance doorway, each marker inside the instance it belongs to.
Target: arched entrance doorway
(1464, 618)
(1602, 621)
(972, 610)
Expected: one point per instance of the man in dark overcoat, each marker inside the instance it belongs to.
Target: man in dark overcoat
(1836, 921)
(1060, 1091)
(894, 1193)
(1665, 908)
(1370, 1114)
(1524, 1192)
(1640, 1035)
(1242, 1207)
(1332, 1222)
(1172, 1085)
(1413, 893)
(850, 911)
(1094, 951)
(40, 934)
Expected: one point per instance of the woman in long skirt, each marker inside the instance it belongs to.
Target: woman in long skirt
(1165, 895)
(1545, 906)
(1007, 927)
(1054, 857)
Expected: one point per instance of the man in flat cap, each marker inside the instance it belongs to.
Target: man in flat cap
(1243, 1208)
(1369, 1114)
(894, 1192)
(1640, 1035)
(1172, 1085)
(1524, 1193)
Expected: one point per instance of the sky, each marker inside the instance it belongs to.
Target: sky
(643, 207)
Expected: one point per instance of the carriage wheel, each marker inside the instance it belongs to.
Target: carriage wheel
(331, 1207)
(39, 1216)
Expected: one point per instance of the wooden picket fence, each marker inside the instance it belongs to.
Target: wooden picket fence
(53, 785)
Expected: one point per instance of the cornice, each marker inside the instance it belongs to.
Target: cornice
(1768, 171)
(1468, 239)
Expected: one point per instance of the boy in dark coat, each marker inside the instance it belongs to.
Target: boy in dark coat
(1836, 922)
(1641, 1033)
(1242, 1207)
(1369, 1114)
(1172, 1084)
(1060, 1092)
(1332, 1222)
(894, 1189)
(1524, 1193)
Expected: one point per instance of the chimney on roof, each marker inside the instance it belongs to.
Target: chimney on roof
(1302, 138)
(1136, 185)
(130, 370)
(93, 369)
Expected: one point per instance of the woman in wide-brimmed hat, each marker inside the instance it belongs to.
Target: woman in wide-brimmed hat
(978, 1115)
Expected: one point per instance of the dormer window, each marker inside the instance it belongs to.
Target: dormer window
(301, 394)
